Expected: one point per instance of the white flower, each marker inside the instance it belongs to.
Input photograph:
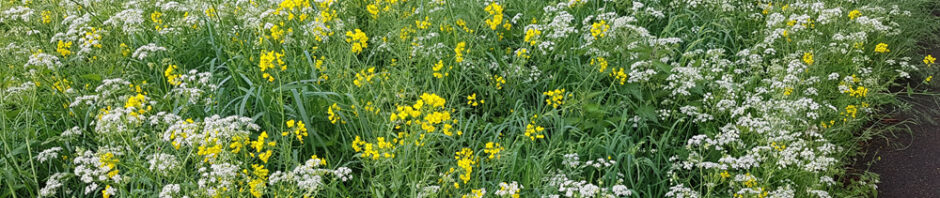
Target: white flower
(52, 184)
(169, 190)
(143, 51)
(588, 190)
(508, 189)
(48, 154)
(343, 173)
(161, 162)
(621, 190)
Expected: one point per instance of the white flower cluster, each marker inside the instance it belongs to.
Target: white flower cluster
(161, 163)
(129, 20)
(567, 187)
(193, 86)
(508, 189)
(52, 185)
(309, 177)
(217, 179)
(48, 154)
(91, 169)
(170, 191)
(19, 12)
(144, 51)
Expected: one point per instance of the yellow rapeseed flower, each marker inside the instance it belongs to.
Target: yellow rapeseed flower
(882, 48)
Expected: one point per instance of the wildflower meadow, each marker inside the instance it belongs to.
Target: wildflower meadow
(450, 98)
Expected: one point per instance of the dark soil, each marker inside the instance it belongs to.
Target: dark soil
(908, 162)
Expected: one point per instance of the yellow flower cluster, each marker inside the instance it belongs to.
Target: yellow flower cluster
(358, 39)
(46, 17)
(364, 77)
(108, 160)
(808, 58)
(437, 69)
(531, 36)
(423, 24)
(522, 53)
(475, 193)
(498, 81)
(600, 62)
(555, 97)
(534, 132)
(435, 115)
(472, 100)
(496, 12)
(882, 48)
(137, 102)
(257, 184)
(300, 131)
(61, 85)
(459, 50)
(857, 92)
(854, 14)
(171, 78)
(374, 151)
(63, 48)
(465, 160)
(599, 29)
(929, 60)
(270, 60)
(331, 112)
(463, 25)
(258, 146)
(850, 110)
(493, 149)
(619, 75)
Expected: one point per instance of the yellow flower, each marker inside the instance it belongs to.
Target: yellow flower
(46, 17)
(270, 60)
(63, 48)
(472, 100)
(364, 77)
(493, 150)
(534, 132)
(331, 112)
(599, 29)
(882, 48)
(808, 58)
(459, 50)
(465, 160)
(358, 39)
(555, 97)
(423, 24)
(619, 75)
(498, 81)
(531, 35)
(373, 9)
(171, 78)
(104, 193)
(600, 62)
(854, 14)
(929, 60)
(437, 69)
(300, 131)
(496, 11)
(928, 78)
(522, 53)
(155, 17)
